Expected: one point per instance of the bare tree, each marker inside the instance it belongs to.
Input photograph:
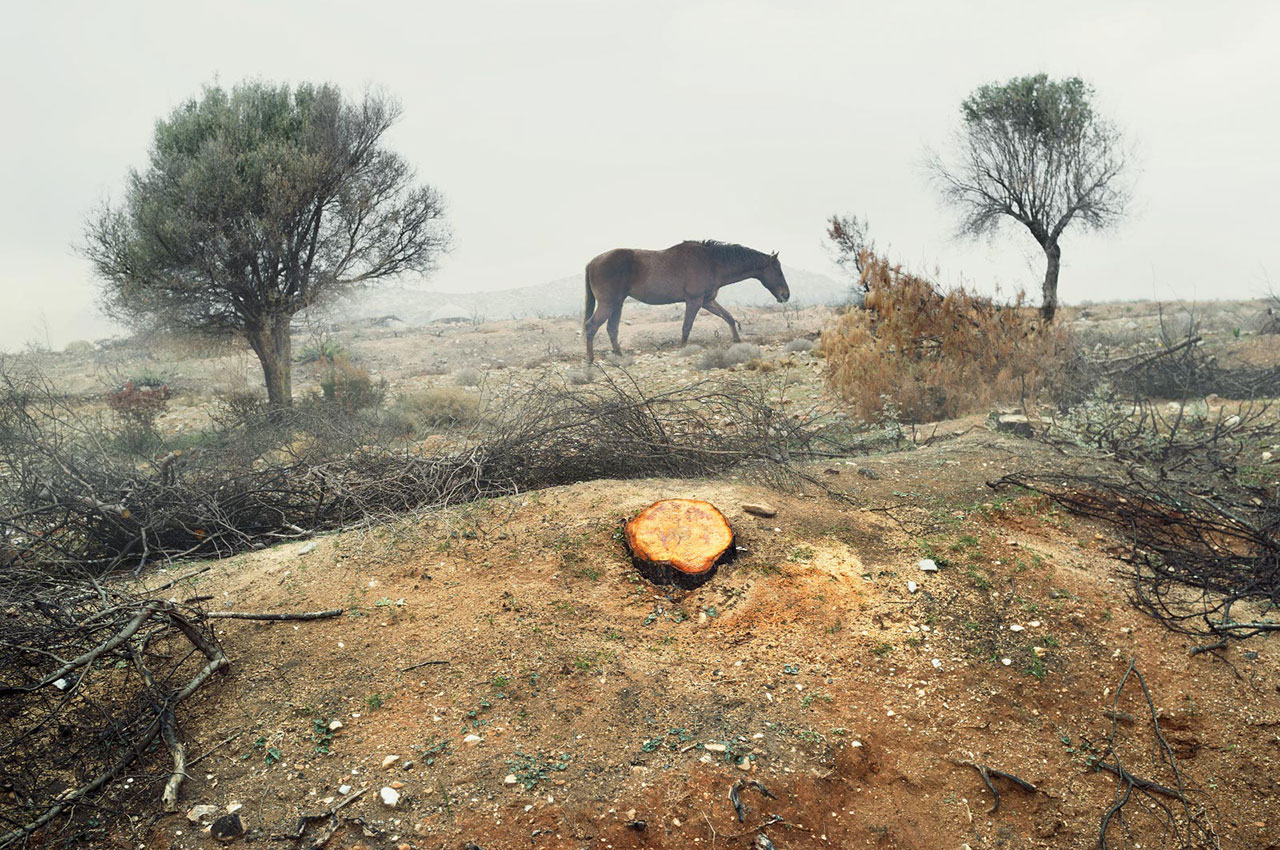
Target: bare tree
(257, 204)
(1034, 150)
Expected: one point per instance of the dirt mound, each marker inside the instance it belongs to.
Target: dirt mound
(538, 692)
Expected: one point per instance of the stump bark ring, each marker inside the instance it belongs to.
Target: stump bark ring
(679, 541)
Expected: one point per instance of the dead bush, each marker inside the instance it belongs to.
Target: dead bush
(468, 376)
(935, 355)
(798, 345)
(421, 412)
(735, 355)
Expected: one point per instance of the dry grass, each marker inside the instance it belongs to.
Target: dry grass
(933, 355)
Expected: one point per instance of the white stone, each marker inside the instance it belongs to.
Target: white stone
(199, 813)
(335, 725)
(912, 587)
(232, 808)
(937, 664)
(715, 748)
(344, 789)
(1015, 628)
(1006, 661)
(390, 796)
(389, 760)
(472, 740)
(510, 779)
(928, 565)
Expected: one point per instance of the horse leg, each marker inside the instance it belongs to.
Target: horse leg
(691, 309)
(614, 318)
(714, 308)
(592, 325)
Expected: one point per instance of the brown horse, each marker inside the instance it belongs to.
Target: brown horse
(692, 272)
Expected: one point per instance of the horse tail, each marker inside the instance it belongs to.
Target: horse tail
(591, 300)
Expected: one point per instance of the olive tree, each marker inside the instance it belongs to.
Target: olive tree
(1034, 150)
(258, 203)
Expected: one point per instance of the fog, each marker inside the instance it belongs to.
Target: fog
(557, 130)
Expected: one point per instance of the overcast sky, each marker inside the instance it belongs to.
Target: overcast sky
(558, 129)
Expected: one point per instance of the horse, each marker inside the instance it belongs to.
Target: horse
(692, 272)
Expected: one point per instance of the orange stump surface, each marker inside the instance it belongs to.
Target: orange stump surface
(679, 540)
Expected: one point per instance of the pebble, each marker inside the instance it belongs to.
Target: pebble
(928, 565)
(1015, 628)
(1006, 661)
(760, 509)
(344, 789)
(390, 796)
(937, 664)
(912, 587)
(510, 779)
(335, 725)
(199, 813)
(715, 748)
(472, 739)
(307, 547)
(232, 808)
(389, 760)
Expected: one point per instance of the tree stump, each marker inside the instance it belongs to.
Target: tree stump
(679, 541)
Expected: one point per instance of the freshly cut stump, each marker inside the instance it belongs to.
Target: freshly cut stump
(679, 541)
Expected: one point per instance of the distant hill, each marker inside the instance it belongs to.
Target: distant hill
(561, 297)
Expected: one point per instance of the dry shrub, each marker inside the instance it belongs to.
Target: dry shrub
(933, 355)
(419, 413)
(468, 376)
(798, 345)
(735, 355)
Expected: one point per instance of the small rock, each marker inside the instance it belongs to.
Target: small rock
(510, 779)
(227, 828)
(335, 725)
(472, 739)
(714, 748)
(760, 509)
(1015, 628)
(937, 664)
(390, 796)
(1014, 423)
(344, 789)
(744, 763)
(389, 760)
(199, 813)
(232, 808)
(307, 547)
(912, 587)
(1006, 661)
(928, 565)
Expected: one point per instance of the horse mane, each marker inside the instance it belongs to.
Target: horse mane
(733, 254)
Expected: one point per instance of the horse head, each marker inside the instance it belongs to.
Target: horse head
(773, 279)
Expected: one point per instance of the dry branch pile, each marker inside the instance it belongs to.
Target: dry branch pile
(1191, 491)
(67, 501)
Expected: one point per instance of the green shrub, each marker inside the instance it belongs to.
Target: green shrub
(324, 349)
(351, 387)
(423, 411)
(798, 345)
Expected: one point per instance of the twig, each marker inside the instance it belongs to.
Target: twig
(248, 615)
(987, 772)
(424, 664)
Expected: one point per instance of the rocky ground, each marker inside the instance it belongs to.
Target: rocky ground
(502, 677)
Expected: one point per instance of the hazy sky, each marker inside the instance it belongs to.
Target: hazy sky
(558, 129)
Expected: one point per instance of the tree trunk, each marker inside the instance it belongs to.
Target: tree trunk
(1049, 299)
(274, 348)
(679, 541)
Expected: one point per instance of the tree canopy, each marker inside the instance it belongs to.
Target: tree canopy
(257, 203)
(1034, 150)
